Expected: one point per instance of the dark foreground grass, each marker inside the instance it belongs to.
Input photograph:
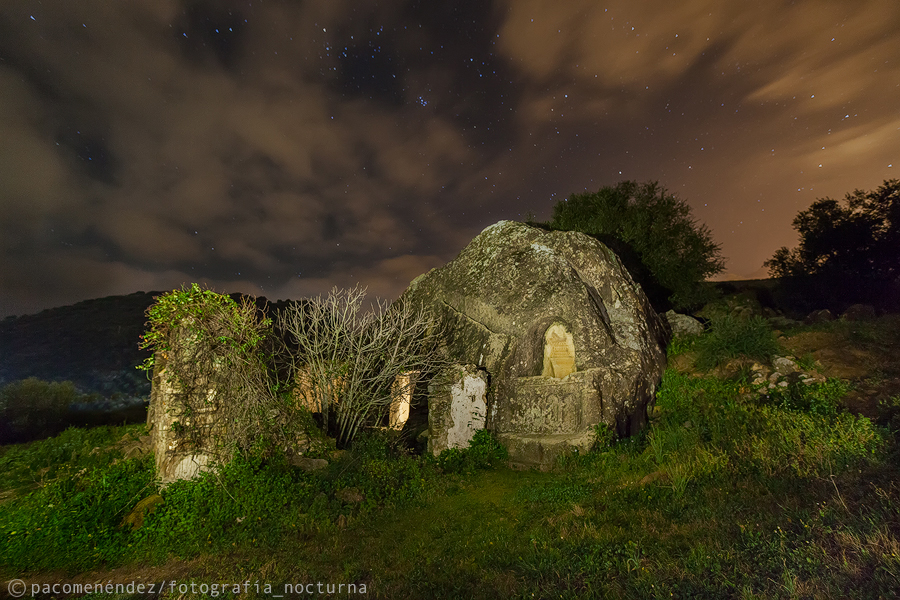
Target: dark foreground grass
(727, 495)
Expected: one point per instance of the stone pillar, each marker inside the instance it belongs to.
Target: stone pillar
(457, 407)
(175, 458)
(401, 399)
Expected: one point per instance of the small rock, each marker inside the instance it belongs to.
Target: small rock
(784, 365)
(688, 425)
(135, 451)
(683, 324)
(859, 312)
(811, 378)
(309, 464)
(819, 316)
(350, 495)
(683, 363)
(760, 373)
(783, 384)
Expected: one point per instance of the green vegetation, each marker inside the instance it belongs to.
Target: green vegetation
(730, 336)
(484, 452)
(730, 493)
(73, 520)
(31, 408)
(204, 341)
(673, 251)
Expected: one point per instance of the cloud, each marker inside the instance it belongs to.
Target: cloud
(229, 158)
(290, 146)
(386, 280)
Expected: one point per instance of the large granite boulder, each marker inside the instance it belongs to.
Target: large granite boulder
(566, 338)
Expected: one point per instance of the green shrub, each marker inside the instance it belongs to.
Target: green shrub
(730, 337)
(889, 413)
(248, 500)
(817, 399)
(604, 436)
(707, 426)
(381, 468)
(484, 452)
(31, 409)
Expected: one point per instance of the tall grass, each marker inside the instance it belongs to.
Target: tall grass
(728, 430)
(730, 337)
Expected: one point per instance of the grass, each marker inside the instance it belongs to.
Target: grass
(730, 336)
(728, 494)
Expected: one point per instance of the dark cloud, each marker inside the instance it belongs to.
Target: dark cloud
(285, 147)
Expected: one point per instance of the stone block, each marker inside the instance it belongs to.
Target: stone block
(457, 407)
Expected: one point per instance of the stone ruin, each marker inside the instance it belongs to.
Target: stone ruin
(175, 457)
(551, 337)
(180, 458)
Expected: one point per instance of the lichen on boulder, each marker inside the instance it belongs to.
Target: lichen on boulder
(566, 338)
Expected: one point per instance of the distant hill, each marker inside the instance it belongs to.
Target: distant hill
(93, 344)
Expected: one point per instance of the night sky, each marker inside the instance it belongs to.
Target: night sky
(282, 147)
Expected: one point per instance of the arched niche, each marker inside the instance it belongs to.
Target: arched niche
(559, 352)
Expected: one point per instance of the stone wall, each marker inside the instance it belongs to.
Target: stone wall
(457, 407)
(176, 456)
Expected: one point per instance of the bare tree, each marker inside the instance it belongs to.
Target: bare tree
(347, 361)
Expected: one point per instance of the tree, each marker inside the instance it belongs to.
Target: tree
(856, 241)
(671, 253)
(349, 363)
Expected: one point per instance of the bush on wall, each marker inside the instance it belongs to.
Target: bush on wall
(217, 356)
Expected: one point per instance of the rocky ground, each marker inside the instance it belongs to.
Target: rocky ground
(858, 347)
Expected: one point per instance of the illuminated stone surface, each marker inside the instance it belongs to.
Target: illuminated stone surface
(564, 336)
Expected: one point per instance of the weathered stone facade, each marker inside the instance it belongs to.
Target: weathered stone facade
(565, 337)
(457, 407)
(179, 456)
(176, 457)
